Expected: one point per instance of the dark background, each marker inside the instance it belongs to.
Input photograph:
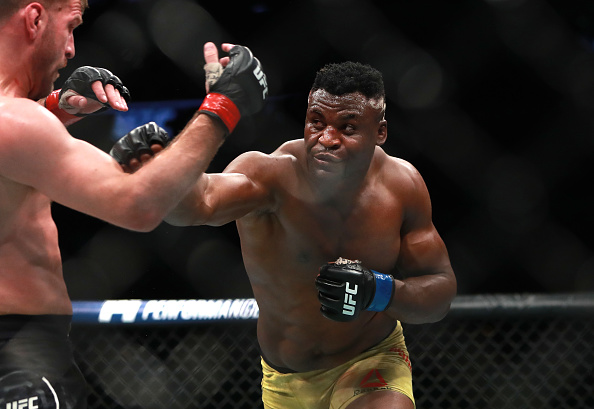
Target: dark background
(492, 100)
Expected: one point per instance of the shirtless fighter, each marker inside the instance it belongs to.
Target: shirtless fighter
(40, 162)
(338, 242)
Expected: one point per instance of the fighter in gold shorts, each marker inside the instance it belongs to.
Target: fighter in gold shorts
(385, 366)
(333, 194)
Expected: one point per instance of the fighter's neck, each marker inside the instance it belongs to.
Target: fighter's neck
(15, 68)
(340, 193)
(13, 86)
(342, 189)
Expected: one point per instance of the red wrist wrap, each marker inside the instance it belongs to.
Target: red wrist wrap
(223, 107)
(52, 103)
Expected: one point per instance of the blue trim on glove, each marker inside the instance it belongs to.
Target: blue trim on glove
(384, 285)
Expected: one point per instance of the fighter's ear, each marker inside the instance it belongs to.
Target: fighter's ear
(35, 16)
(382, 132)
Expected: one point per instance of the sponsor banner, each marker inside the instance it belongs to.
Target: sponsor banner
(164, 311)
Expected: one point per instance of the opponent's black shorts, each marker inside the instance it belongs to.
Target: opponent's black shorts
(37, 368)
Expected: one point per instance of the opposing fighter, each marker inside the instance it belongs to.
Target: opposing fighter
(40, 162)
(338, 242)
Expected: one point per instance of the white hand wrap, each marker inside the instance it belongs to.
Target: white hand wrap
(213, 71)
(63, 104)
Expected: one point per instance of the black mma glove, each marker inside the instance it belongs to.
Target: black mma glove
(345, 288)
(80, 83)
(138, 142)
(240, 90)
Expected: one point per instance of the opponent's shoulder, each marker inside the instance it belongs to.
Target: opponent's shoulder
(21, 109)
(30, 139)
(22, 120)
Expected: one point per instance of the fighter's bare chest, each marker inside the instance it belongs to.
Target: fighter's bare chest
(22, 205)
(369, 231)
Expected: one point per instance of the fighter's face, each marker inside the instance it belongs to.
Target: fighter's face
(341, 132)
(56, 44)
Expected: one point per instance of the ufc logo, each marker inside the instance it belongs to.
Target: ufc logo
(259, 74)
(23, 404)
(349, 305)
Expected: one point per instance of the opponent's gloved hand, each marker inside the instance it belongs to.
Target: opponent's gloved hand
(345, 288)
(239, 90)
(138, 142)
(79, 83)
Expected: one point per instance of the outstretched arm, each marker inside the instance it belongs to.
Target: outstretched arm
(39, 152)
(215, 199)
(220, 198)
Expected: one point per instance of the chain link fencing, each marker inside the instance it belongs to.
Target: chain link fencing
(491, 352)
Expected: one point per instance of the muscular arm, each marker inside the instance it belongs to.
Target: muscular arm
(429, 284)
(220, 198)
(39, 152)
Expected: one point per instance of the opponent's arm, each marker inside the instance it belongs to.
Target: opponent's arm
(215, 199)
(345, 288)
(40, 153)
(139, 145)
(88, 90)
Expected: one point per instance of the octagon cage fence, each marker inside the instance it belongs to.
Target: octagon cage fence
(491, 351)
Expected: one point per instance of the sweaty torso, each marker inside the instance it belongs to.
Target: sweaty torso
(31, 280)
(283, 251)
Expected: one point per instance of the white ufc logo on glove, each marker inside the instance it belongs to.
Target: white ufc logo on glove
(29, 403)
(349, 303)
(259, 74)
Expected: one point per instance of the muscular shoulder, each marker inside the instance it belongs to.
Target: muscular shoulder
(406, 183)
(265, 167)
(400, 172)
(22, 109)
(29, 134)
(294, 147)
(22, 119)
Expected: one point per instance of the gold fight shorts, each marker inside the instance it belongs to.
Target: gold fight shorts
(385, 366)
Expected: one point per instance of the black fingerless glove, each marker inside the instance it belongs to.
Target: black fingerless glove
(137, 142)
(80, 82)
(240, 90)
(345, 288)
